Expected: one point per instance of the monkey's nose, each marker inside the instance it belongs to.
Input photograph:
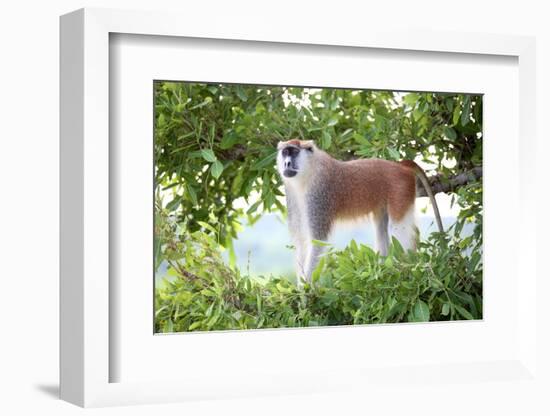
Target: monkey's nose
(287, 164)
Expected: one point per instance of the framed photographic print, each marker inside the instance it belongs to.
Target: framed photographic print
(257, 228)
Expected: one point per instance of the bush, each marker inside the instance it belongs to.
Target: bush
(352, 286)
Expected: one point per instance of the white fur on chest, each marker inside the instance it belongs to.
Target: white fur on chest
(297, 188)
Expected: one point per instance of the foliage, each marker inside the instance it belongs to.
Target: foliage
(215, 143)
(352, 286)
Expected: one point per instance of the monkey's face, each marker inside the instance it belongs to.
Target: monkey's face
(293, 158)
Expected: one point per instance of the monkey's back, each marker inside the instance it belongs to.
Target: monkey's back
(371, 186)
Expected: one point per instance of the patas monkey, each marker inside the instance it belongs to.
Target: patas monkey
(321, 190)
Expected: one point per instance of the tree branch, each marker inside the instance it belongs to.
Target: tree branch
(441, 184)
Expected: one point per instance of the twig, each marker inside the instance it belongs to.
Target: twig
(441, 184)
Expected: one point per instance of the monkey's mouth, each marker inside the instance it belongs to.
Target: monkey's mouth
(289, 173)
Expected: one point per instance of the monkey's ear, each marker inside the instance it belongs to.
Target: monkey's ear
(308, 145)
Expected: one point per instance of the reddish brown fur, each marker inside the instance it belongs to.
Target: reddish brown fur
(367, 186)
(303, 144)
(372, 185)
(295, 142)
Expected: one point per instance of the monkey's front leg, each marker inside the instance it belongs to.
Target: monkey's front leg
(320, 216)
(381, 240)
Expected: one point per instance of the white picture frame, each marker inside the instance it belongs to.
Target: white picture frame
(86, 353)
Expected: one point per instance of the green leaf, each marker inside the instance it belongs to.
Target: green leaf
(411, 99)
(326, 140)
(281, 288)
(396, 247)
(168, 326)
(157, 250)
(332, 121)
(252, 209)
(217, 169)
(194, 325)
(210, 308)
(449, 104)
(346, 134)
(450, 132)
(269, 159)
(192, 195)
(207, 226)
(320, 243)
(394, 154)
(214, 318)
(360, 139)
(317, 272)
(456, 115)
(208, 155)
(463, 312)
(421, 311)
(241, 93)
(161, 120)
(465, 116)
(445, 309)
(173, 204)
(228, 141)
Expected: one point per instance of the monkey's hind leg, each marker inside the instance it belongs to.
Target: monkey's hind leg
(382, 240)
(315, 252)
(404, 229)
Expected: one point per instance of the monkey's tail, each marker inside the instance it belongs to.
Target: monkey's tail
(426, 184)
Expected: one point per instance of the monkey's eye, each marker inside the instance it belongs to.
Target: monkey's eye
(290, 151)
